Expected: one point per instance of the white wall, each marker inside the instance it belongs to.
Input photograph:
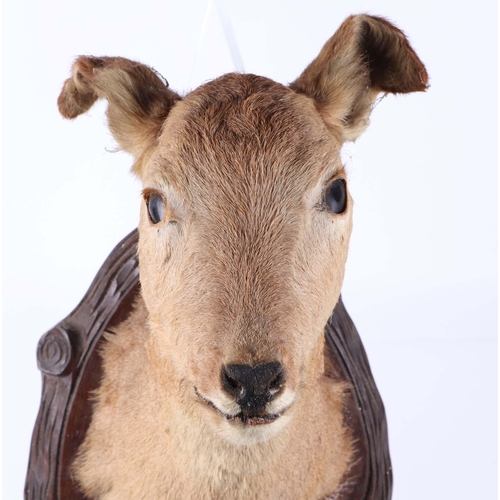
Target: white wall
(421, 278)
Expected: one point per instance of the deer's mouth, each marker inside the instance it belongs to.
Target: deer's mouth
(245, 418)
(266, 418)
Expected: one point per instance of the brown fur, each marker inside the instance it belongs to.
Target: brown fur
(367, 55)
(245, 267)
(139, 99)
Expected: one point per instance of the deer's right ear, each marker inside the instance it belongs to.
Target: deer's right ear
(138, 100)
(367, 55)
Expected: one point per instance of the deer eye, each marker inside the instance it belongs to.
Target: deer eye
(155, 208)
(335, 196)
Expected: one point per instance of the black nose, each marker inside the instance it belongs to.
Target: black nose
(253, 387)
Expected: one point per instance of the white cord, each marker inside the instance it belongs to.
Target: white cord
(227, 27)
(200, 41)
(230, 38)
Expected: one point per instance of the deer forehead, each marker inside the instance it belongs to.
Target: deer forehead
(244, 137)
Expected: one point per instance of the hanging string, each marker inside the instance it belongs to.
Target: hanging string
(200, 41)
(227, 28)
(230, 38)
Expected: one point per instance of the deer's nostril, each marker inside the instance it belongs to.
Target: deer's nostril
(277, 382)
(238, 380)
(230, 385)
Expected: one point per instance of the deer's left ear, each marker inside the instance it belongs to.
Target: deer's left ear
(139, 100)
(366, 56)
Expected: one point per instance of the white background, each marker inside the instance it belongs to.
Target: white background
(422, 271)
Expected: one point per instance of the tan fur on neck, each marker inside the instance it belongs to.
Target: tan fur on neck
(137, 427)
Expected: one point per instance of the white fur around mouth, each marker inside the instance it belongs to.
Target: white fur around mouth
(267, 418)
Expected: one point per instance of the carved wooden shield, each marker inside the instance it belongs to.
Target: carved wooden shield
(71, 369)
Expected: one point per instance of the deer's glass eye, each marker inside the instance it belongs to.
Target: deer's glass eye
(336, 196)
(155, 208)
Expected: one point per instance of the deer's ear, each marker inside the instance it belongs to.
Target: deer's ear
(139, 100)
(366, 56)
